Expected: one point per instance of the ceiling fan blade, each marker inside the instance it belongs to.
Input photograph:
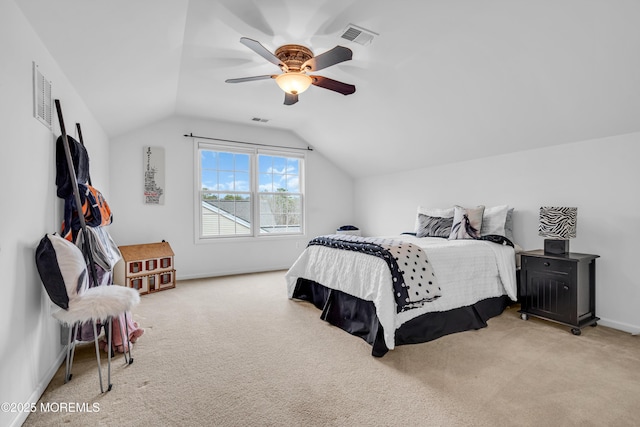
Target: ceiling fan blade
(249, 14)
(290, 99)
(334, 85)
(331, 57)
(250, 79)
(262, 51)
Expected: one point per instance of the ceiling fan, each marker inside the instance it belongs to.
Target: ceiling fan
(295, 61)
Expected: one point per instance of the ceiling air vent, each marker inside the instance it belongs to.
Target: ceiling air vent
(42, 102)
(358, 34)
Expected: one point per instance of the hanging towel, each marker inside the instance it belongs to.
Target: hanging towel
(105, 251)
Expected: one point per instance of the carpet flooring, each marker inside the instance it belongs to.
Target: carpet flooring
(235, 351)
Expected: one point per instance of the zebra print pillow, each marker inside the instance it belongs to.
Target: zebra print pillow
(433, 226)
(435, 212)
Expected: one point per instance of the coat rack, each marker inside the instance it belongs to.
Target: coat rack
(116, 298)
(86, 247)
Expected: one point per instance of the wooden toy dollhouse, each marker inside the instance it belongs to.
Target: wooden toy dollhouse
(147, 267)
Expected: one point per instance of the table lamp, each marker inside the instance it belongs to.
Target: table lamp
(557, 225)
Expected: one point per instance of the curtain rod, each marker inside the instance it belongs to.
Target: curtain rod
(191, 135)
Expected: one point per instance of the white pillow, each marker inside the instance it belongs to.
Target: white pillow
(72, 265)
(508, 227)
(435, 212)
(494, 221)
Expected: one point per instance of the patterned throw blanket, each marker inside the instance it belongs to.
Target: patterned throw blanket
(414, 282)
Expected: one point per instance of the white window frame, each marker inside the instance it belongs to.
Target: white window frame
(253, 152)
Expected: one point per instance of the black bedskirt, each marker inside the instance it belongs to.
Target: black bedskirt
(358, 317)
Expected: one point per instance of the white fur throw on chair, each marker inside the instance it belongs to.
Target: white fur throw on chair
(98, 303)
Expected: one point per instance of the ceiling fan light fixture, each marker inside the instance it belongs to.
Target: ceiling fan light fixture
(295, 61)
(293, 83)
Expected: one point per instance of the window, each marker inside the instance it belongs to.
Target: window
(225, 189)
(248, 193)
(279, 194)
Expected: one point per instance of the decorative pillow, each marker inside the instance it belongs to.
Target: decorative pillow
(494, 221)
(62, 269)
(467, 223)
(434, 212)
(433, 226)
(501, 240)
(508, 226)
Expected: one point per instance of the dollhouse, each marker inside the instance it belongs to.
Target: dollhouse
(146, 267)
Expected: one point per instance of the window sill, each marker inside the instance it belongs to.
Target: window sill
(247, 239)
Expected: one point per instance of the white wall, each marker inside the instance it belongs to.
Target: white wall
(30, 349)
(329, 199)
(600, 177)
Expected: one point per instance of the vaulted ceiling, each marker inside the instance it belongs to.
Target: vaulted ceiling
(444, 81)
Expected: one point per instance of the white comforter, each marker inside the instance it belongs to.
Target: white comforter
(467, 271)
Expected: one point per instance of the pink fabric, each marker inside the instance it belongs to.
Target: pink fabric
(116, 341)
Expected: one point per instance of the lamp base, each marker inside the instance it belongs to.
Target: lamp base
(556, 247)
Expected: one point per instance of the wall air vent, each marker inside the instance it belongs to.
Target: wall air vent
(358, 34)
(42, 100)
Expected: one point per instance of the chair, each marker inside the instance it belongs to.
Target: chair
(63, 270)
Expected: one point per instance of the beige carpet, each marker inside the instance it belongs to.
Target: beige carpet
(234, 351)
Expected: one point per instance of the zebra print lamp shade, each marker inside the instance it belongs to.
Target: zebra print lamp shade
(557, 224)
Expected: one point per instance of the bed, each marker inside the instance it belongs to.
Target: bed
(355, 291)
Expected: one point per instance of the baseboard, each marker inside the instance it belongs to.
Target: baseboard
(230, 273)
(40, 388)
(625, 327)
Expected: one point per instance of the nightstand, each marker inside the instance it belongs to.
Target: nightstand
(560, 288)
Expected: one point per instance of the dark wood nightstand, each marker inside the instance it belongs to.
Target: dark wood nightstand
(561, 288)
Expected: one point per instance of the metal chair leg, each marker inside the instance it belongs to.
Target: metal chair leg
(73, 330)
(126, 325)
(67, 372)
(95, 340)
(74, 338)
(126, 359)
(109, 333)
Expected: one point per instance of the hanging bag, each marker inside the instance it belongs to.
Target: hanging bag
(95, 209)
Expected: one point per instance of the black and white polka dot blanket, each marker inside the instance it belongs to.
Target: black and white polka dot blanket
(414, 282)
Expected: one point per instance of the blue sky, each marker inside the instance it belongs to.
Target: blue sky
(223, 171)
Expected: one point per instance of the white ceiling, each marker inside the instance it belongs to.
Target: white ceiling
(445, 80)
